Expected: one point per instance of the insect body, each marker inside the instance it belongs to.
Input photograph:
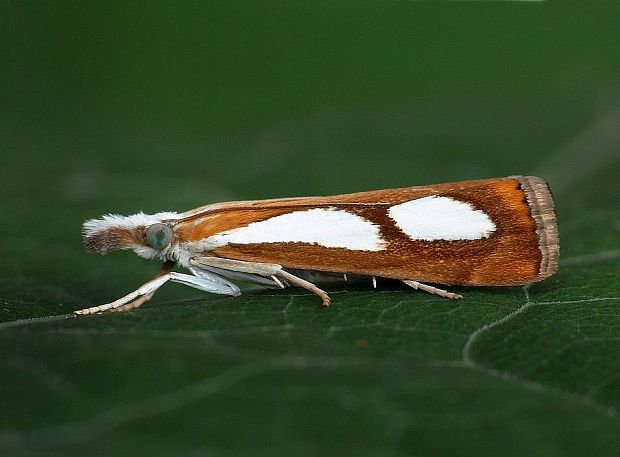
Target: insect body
(493, 232)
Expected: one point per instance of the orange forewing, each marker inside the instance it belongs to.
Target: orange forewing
(512, 255)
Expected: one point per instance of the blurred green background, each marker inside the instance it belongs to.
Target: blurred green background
(116, 107)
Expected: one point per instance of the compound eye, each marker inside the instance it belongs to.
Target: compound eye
(158, 236)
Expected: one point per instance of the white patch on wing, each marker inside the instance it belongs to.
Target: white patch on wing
(441, 218)
(329, 227)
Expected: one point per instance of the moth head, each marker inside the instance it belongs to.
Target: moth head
(149, 236)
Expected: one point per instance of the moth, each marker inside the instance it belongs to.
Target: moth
(490, 232)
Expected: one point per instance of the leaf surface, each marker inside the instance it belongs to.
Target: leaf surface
(214, 113)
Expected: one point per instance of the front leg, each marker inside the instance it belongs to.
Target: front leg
(213, 284)
(165, 268)
(145, 290)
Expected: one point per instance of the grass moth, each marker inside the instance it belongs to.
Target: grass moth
(491, 232)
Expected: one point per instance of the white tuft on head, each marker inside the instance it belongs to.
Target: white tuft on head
(94, 227)
(114, 231)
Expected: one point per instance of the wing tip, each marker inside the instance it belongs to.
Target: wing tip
(542, 208)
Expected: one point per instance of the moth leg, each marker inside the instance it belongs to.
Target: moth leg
(296, 281)
(239, 266)
(278, 282)
(133, 305)
(146, 289)
(165, 268)
(432, 290)
(207, 283)
(230, 274)
(214, 284)
(257, 273)
(271, 270)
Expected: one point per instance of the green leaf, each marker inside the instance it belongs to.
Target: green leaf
(250, 102)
